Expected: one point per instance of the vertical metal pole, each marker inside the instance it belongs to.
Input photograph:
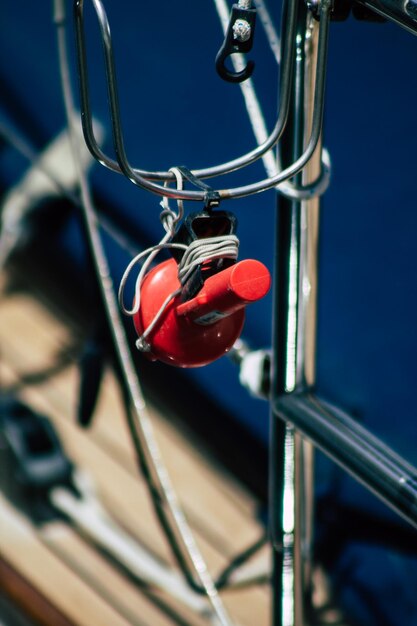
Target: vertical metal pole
(292, 459)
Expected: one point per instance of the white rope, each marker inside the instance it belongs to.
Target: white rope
(151, 254)
(203, 250)
(141, 343)
(170, 221)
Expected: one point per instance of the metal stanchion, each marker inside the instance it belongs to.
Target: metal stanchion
(292, 458)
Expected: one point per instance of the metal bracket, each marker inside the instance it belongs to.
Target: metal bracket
(239, 39)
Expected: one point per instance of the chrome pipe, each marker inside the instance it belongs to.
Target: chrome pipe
(355, 449)
(292, 458)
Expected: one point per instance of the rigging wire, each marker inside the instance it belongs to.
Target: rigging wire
(250, 97)
(139, 423)
(271, 33)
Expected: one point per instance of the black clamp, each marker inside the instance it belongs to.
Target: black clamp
(211, 197)
(239, 38)
(202, 225)
(32, 460)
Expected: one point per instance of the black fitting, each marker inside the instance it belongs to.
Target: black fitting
(237, 42)
(202, 225)
(32, 460)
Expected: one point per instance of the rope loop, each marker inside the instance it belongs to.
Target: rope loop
(202, 250)
(169, 218)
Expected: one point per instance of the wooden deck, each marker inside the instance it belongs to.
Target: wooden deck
(71, 577)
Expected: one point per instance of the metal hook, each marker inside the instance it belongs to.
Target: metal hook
(239, 38)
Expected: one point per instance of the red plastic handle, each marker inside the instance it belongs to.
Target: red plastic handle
(227, 292)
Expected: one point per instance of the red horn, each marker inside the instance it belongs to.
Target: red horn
(200, 330)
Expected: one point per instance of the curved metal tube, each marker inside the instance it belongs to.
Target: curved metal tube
(229, 166)
(144, 179)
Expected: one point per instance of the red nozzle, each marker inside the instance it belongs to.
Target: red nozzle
(228, 291)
